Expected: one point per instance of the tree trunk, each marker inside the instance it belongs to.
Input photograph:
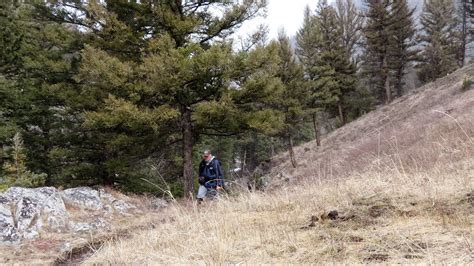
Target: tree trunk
(290, 150)
(398, 84)
(341, 113)
(242, 164)
(388, 92)
(272, 147)
(316, 130)
(464, 35)
(188, 143)
(1, 155)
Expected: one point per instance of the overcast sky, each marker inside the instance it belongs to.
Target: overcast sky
(281, 14)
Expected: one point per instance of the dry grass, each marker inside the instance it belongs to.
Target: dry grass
(401, 179)
(396, 218)
(424, 129)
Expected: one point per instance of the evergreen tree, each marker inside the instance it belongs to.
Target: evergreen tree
(294, 93)
(35, 68)
(439, 40)
(465, 13)
(334, 70)
(378, 36)
(307, 39)
(10, 38)
(164, 78)
(327, 64)
(403, 41)
(16, 171)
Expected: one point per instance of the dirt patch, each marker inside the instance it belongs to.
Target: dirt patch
(80, 253)
(469, 199)
(376, 257)
(413, 256)
(356, 239)
(379, 210)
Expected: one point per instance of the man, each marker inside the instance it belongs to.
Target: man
(210, 175)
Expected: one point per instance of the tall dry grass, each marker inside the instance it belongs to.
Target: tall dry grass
(401, 180)
(395, 218)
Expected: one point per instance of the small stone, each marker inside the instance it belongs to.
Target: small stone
(157, 203)
(87, 227)
(66, 247)
(333, 215)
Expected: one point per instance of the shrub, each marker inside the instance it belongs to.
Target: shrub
(16, 172)
(466, 83)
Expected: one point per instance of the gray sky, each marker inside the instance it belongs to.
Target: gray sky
(280, 14)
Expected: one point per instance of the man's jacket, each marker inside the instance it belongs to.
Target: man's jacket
(211, 170)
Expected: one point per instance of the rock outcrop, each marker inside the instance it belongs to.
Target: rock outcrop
(25, 212)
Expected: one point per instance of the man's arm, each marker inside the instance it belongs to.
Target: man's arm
(220, 174)
(202, 179)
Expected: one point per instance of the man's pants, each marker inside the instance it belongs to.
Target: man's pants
(202, 191)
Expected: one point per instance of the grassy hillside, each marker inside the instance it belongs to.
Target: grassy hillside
(395, 186)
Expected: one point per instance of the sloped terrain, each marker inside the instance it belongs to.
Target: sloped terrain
(395, 186)
(417, 132)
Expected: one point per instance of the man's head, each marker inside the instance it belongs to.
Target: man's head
(206, 155)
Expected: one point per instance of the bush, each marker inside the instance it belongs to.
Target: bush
(16, 172)
(466, 83)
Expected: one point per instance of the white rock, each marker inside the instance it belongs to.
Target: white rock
(48, 201)
(25, 211)
(66, 247)
(86, 227)
(118, 205)
(83, 197)
(28, 216)
(33, 208)
(157, 203)
(8, 231)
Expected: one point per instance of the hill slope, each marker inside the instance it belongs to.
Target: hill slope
(395, 186)
(417, 132)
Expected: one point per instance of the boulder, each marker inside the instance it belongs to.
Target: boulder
(118, 205)
(44, 202)
(91, 199)
(28, 217)
(83, 197)
(24, 212)
(8, 231)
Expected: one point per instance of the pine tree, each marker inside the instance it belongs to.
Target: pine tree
(294, 93)
(37, 60)
(10, 39)
(439, 40)
(402, 51)
(307, 39)
(377, 33)
(335, 72)
(163, 70)
(327, 64)
(465, 13)
(16, 171)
